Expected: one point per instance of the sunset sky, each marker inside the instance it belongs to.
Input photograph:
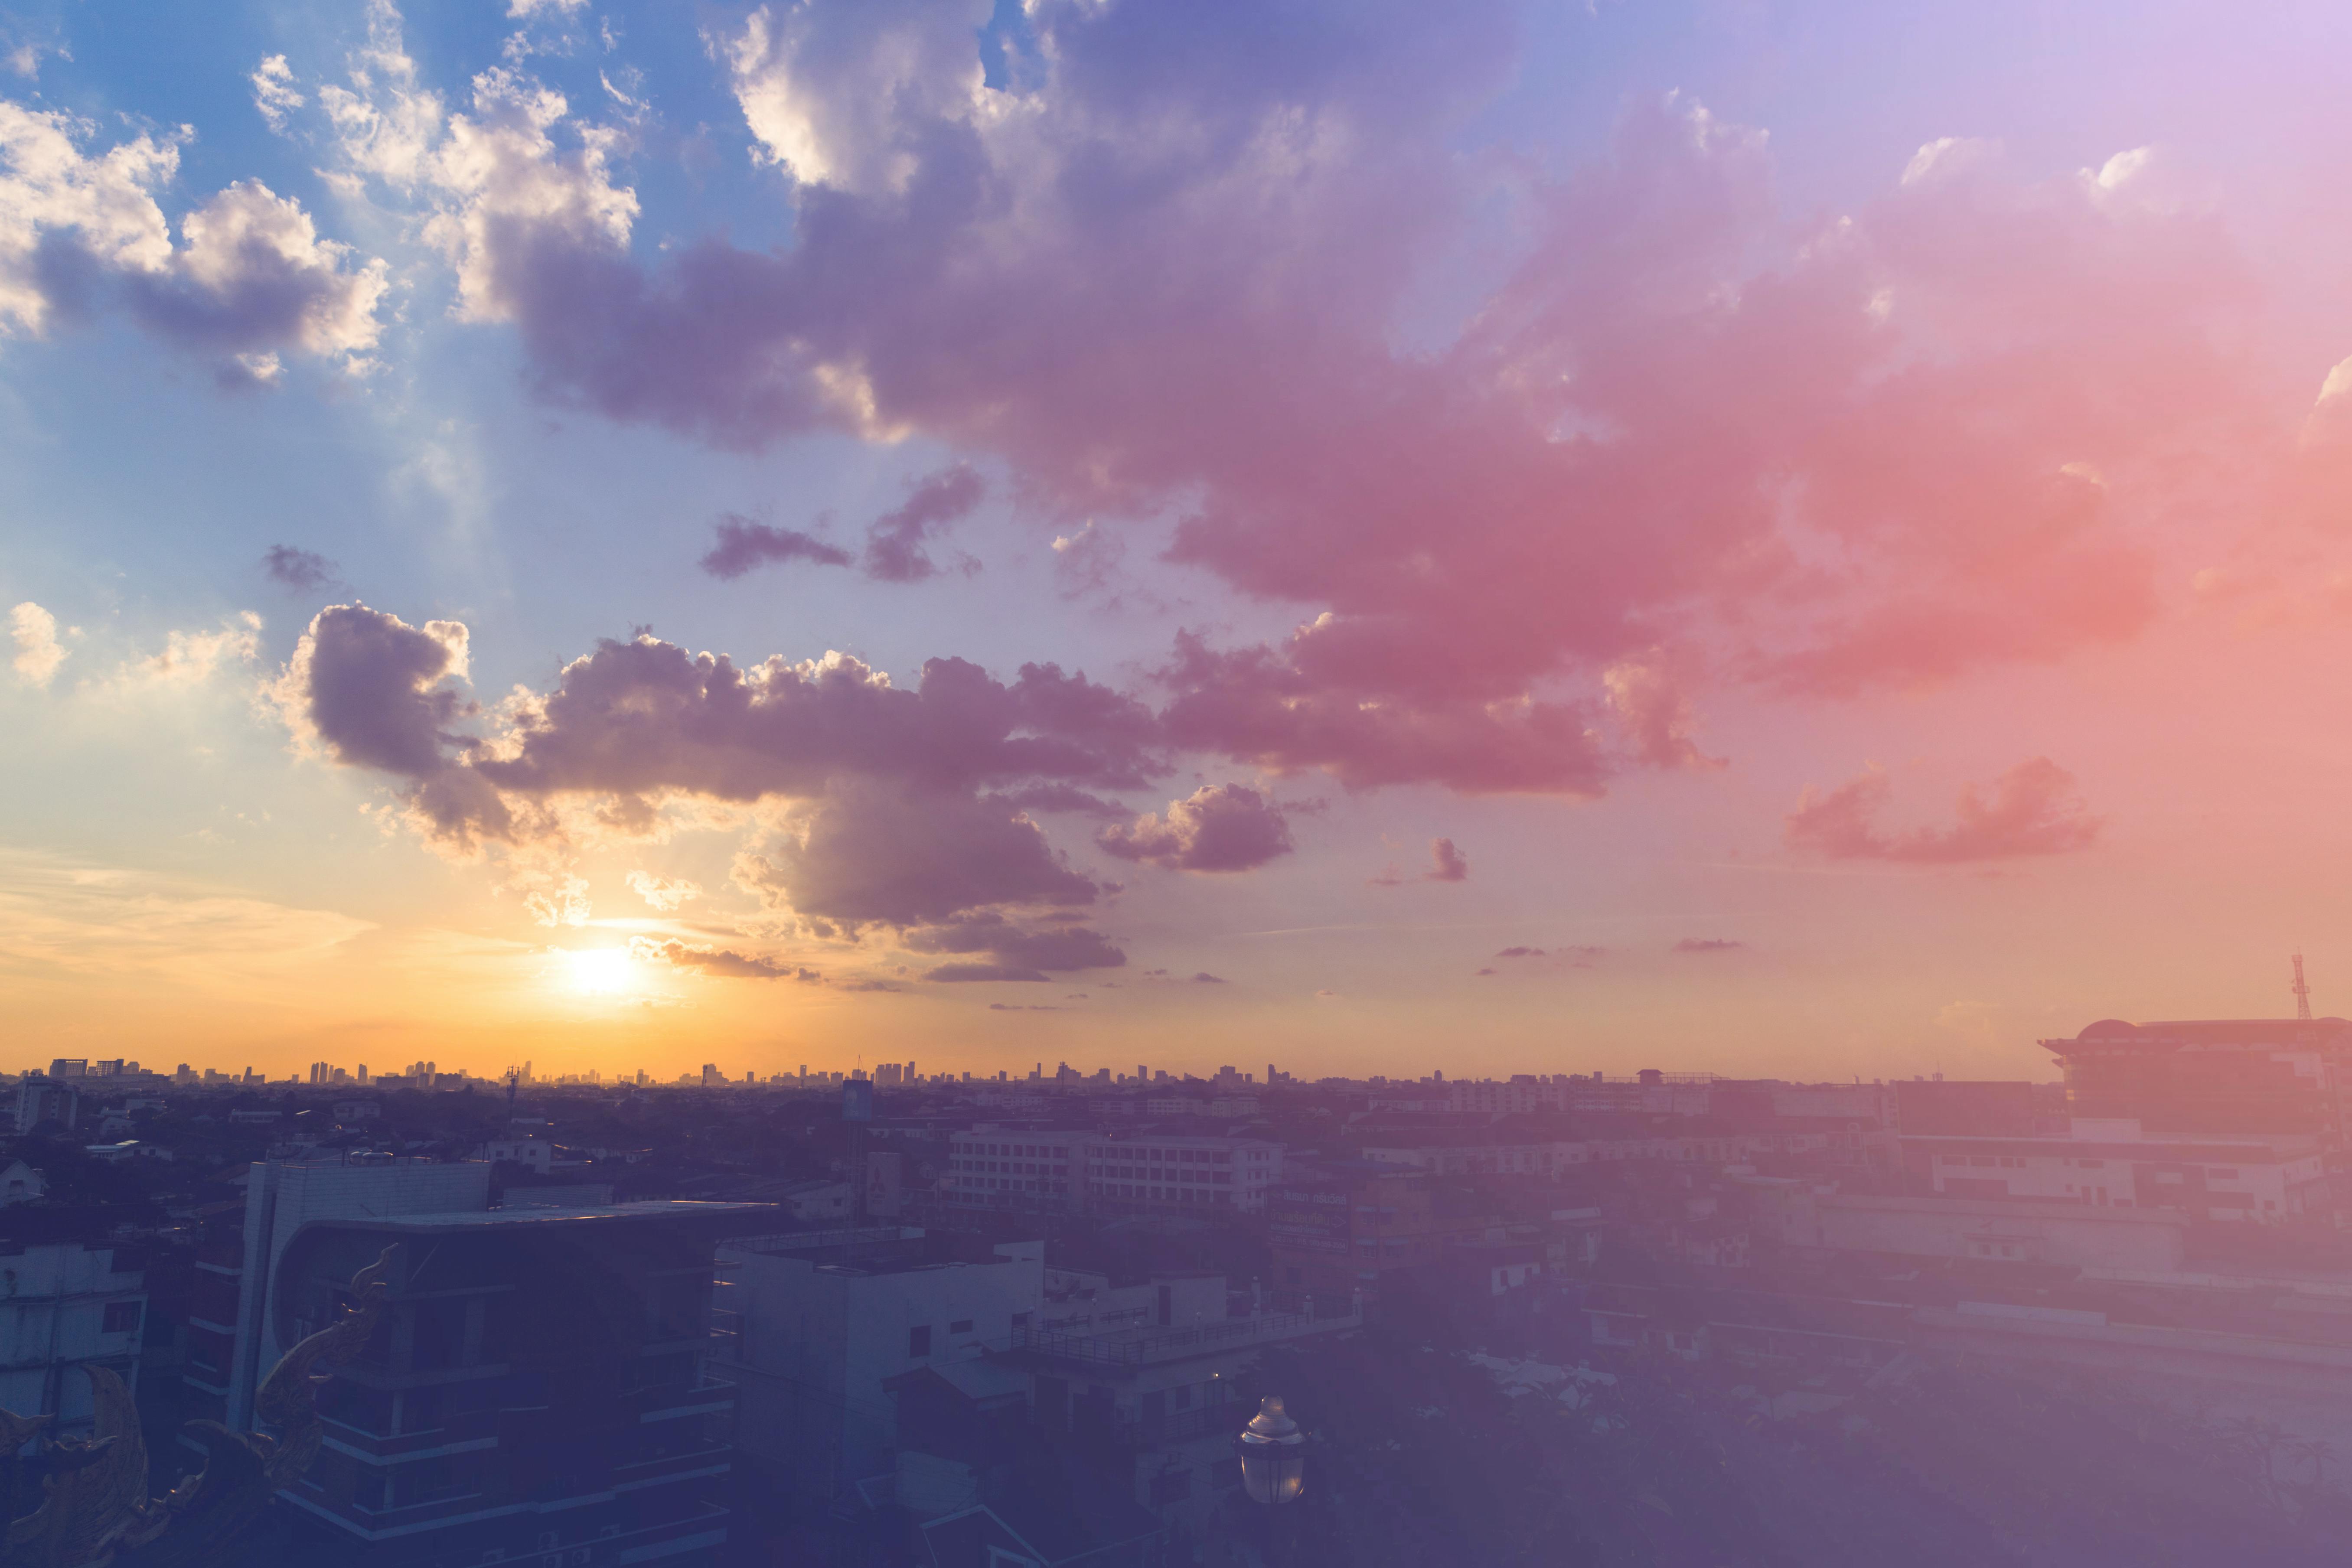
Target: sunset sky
(1808, 539)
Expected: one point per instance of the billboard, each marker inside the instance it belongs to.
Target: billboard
(857, 1100)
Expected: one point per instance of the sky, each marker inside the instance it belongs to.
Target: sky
(1792, 539)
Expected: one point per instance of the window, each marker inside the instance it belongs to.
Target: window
(919, 1342)
(961, 1326)
(121, 1318)
(2217, 1173)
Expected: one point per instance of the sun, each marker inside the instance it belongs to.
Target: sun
(600, 971)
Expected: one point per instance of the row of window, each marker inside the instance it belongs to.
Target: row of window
(1158, 1195)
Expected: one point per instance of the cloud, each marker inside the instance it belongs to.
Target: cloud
(1707, 944)
(304, 570)
(663, 893)
(1010, 950)
(1059, 797)
(744, 545)
(367, 690)
(1204, 978)
(1521, 953)
(1019, 1007)
(38, 651)
(901, 854)
(1161, 274)
(1446, 864)
(61, 915)
(2032, 809)
(1484, 973)
(250, 278)
(1654, 711)
(1218, 828)
(274, 93)
(721, 962)
(894, 544)
(866, 804)
(190, 658)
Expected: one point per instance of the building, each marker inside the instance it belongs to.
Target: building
(1344, 1228)
(52, 1099)
(533, 1154)
(1002, 1166)
(1148, 1171)
(539, 1387)
(20, 1183)
(1932, 1106)
(2230, 1075)
(2114, 1163)
(1992, 1230)
(69, 1307)
(1524, 1093)
(813, 1324)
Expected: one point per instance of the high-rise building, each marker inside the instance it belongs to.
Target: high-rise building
(537, 1388)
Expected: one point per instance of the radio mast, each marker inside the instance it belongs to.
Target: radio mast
(2302, 992)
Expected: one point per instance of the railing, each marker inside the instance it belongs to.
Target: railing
(1172, 1345)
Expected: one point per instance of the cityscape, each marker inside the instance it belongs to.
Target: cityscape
(1175, 783)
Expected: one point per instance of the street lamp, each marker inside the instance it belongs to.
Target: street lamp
(1273, 1455)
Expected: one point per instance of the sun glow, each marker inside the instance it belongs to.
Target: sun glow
(600, 971)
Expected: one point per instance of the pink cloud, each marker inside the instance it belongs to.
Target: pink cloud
(2034, 808)
(1219, 828)
(1446, 864)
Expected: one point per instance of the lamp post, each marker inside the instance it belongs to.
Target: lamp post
(1273, 1455)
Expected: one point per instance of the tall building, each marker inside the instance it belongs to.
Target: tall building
(538, 1386)
(2221, 1074)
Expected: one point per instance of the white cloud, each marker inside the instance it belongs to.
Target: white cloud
(190, 659)
(662, 892)
(38, 652)
(499, 167)
(274, 93)
(247, 241)
(828, 90)
(385, 125)
(48, 184)
(524, 9)
(251, 277)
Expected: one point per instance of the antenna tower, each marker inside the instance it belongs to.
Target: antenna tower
(2302, 992)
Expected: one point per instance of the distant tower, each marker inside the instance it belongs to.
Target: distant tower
(2302, 992)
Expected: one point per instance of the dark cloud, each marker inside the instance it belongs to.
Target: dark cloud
(1521, 953)
(1707, 944)
(1203, 977)
(894, 544)
(1060, 797)
(742, 544)
(1219, 828)
(720, 961)
(1486, 972)
(898, 854)
(1446, 864)
(304, 570)
(2032, 809)
(899, 823)
(1020, 1008)
(1011, 950)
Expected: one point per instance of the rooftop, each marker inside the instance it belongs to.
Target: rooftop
(548, 1217)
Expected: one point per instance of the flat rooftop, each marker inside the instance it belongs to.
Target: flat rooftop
(547, 1217)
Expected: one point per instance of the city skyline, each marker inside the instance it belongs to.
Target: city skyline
(1803, 540)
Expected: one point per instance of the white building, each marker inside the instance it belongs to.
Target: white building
(2112, 1162)
(814, 1325)
(1007, 1167)
(1179, 1170)
(67, 1307)
(533, 1154)
(20, 1183)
